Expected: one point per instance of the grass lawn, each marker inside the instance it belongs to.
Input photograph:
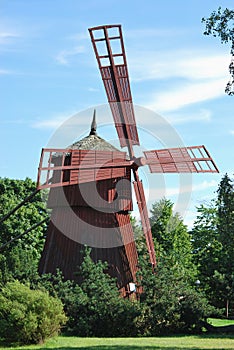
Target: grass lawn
(205, 341)
(161, 343)
(220, 322)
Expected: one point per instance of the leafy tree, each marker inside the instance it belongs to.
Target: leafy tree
(213, 242)
(169, 304)
(207, 250)
(225, 226)
(20, 258)
(28, 316)
(221, 24)
(171, 236)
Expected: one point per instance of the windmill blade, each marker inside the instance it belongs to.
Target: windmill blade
(64, 167)
(141, 202)
(194, 159)
(110, 53)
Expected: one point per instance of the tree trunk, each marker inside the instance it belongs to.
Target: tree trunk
(227, 308)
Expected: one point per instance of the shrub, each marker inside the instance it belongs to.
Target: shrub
(169, 305)
(28, 316)
(93, 308)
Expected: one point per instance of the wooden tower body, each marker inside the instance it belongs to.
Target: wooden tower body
(95, 214)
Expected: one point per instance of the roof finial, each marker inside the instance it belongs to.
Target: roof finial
(94, 124)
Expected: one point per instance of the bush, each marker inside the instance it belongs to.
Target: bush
(169, 305)
(28, 316)
(93, 308)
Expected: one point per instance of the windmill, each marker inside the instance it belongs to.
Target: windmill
(85, 196)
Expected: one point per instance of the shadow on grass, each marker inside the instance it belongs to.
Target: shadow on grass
(125, 347)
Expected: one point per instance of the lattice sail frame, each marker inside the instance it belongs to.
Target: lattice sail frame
(193, 159)
(112, 63)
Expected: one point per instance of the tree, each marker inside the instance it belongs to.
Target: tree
(171, 237)
(169, 304)
(213, 242)
(225, 226)
(221, 24)
(20, 258)
(207, 250)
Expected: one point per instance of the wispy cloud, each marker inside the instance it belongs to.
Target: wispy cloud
(175, 191)
(6, 36)
(68, 119)
(202, 115)
(5, 72)
(64, 56)
(192, 76)
(232, 132)
(187, 93)
(93, 89)
(184, 64)
(144, 33)
(52, 122)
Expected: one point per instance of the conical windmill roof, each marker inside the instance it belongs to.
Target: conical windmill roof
(93, 141)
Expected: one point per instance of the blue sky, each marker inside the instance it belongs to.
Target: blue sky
(49, 73)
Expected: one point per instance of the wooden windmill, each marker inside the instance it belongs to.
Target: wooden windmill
(88, 206)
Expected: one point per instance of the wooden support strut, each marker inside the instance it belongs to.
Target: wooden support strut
(27, 199)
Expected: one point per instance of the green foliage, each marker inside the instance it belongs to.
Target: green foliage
(213, 242)
(171, 236)
(221, 24)
(28, 316)
(20, 258)
(94, 308)
(169, 304)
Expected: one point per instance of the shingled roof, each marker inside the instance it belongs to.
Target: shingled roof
(93, 142)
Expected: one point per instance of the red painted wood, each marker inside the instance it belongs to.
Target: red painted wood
(116, 82)
(194, 159)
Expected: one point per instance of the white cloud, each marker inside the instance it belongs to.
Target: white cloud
(64, 56)
(52, 122)
(175, 191)
(192, 76)
(6, 36)
(186, 94)
(232, 132)
(144, 33)
(69, 119)
(93, 89)
(203, 115)
(181, 63)
(5, 72)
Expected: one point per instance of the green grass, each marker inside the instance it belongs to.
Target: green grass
(205, 341)
(217, 322)
(162, 343)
